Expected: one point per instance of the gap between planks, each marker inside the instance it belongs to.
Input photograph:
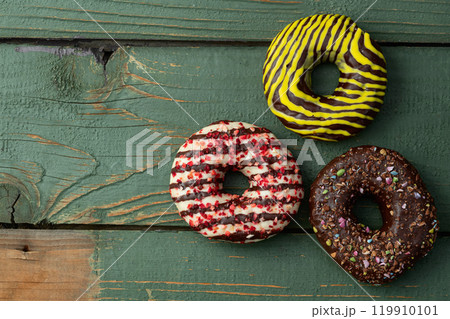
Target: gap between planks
(106, 227)
(97, 43)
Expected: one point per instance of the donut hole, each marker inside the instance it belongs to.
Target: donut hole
(235, 183)
(325, 78)
(367, 212)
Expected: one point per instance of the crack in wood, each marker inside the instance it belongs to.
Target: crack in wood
(13, 210)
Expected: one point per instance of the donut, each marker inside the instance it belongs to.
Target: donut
(407, 208)
(199, 169)
(300, 47)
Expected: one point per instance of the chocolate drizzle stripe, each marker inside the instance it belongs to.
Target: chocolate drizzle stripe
(291, 43)
(231, 133)
(247, 201)
(312, 107)
(264, 162)
(200, 167)
(197, 210)
(244, 236)
(225, 150)
(277, 44)
(194, 196)
(280, 72)
(197, 182)
(275, 188)
(216, 181)
(241, 218)
(349, 129)
(367, 70)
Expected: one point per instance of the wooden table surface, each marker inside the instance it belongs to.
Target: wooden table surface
(70, 99)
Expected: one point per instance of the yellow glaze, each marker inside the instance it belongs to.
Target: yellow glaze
(304, 44)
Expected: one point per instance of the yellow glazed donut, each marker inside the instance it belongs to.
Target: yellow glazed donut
(300, 47)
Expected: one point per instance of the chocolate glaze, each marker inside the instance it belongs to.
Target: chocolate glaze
(407, 208)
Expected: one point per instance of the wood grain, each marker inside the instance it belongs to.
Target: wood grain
(186, 266)
(45, 265)
(64, 126)
(66, 118)
(243, 20)
(62, 265)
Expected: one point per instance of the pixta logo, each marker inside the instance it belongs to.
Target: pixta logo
(140, 150)
(304, 156)
(254, 152)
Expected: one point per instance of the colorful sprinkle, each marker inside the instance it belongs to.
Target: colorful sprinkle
(395, 179)
(315, 229)
(390, 168)
(352, 259)
(389, 181)
(342, 224)
(366, 263)
(377, 259)
(369, 240)
(404, 206)
(340, 172)
(431, 230)
(325, 191)
(378, 179)
(417, 195)
(328, 242)
(394, 173)
(355, 253)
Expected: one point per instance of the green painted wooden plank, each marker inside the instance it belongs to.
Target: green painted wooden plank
(64, 129)
(248, 20)
(186, 266)
(63, 264)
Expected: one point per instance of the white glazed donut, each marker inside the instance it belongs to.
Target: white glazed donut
(199, 169)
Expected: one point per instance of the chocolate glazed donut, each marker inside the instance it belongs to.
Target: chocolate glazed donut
(409, 215)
